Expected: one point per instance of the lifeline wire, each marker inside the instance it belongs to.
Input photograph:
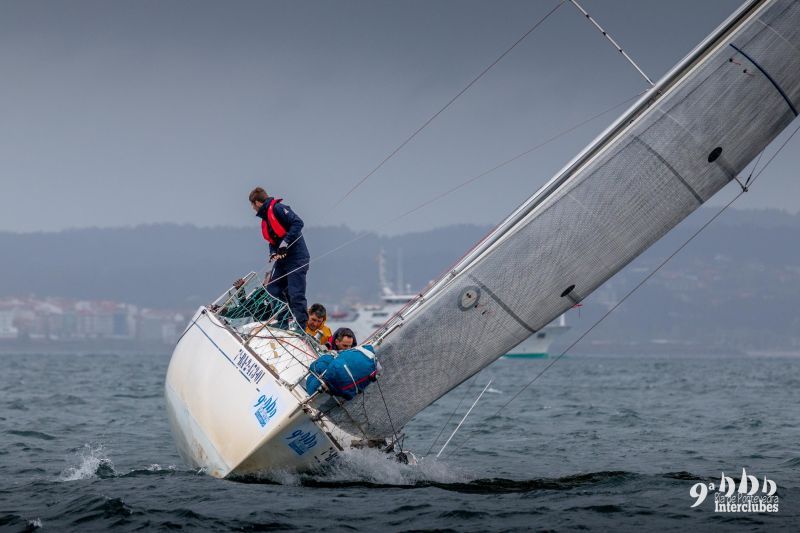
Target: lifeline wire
(650, 275)
(448, 104)
(463, 184)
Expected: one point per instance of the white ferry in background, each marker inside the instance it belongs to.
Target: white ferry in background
(538, 344)
(364, 319)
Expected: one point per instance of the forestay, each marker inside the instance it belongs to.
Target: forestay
(682, 142)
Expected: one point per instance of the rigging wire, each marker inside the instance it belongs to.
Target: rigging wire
(789, 138)
(452, 414)
(448, 104)
(612, 41)
(391, 423)
(750, 177)
(629, 293)
(465, 417)
(511, 160)
(461, 185)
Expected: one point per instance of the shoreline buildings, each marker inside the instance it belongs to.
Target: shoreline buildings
(59, 319)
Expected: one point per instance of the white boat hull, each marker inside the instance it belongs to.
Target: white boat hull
(232, 407)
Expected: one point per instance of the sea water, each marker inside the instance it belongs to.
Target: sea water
(599, 442)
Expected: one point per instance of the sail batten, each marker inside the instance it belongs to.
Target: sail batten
(673, 150)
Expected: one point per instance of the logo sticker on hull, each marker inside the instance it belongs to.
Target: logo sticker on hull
(301, 441)
(265, 409)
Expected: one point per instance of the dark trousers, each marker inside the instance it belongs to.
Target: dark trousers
(291, 288)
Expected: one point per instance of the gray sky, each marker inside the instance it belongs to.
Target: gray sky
(122, 113)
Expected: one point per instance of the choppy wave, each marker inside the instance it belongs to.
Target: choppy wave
(365, 467)
(377, 467)
(21, 524)
(486, 486)
(154, 470)
(792, 463)
(92, 463)
(574, 455)
(92, 509)
(373, 468)
(32, 434)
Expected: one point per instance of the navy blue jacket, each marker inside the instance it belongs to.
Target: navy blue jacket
(293, 225)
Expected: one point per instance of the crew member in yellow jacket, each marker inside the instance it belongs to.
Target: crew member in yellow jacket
(316, 324)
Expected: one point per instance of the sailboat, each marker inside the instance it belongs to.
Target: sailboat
(234, 387)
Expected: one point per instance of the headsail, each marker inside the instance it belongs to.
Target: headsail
(680, 144)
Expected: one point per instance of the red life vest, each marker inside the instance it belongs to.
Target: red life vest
(271, 229)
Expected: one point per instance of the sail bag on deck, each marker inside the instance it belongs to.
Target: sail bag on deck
(344, 375)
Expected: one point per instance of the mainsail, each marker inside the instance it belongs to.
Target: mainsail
(688, 137)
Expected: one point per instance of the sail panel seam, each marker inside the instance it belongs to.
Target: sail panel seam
(780, 35)
(502, 304)
(674, 172)
(770, 78)
(721, 162)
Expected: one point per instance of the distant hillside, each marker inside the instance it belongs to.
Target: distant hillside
(737, 284)
(169, 265)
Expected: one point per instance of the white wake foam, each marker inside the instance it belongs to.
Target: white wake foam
(91, 459)
(374, 466)
(155, 467)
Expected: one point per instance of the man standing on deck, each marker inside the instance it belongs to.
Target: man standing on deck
(282, 228)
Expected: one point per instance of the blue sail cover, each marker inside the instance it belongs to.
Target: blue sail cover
(345, 374)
